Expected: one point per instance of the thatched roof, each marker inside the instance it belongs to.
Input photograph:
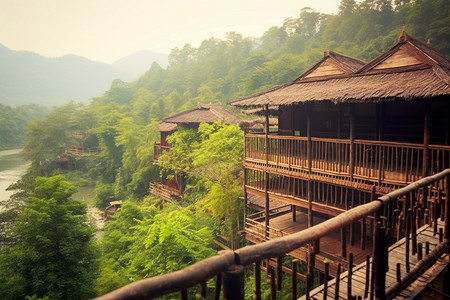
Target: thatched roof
(167, 127)
(208, 113)
(409, 70)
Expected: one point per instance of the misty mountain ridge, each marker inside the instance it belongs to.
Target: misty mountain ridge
(27, 77)
(139, 62)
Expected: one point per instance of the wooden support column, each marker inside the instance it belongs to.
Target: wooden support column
(447, 124)
(447, 209)
(266, 186)
(426, 140)
(258, 280)
(352, 140)
(309, 154)
(379, 125)
(379, 262)
(294, 279)
(245, 195)
(233, 282)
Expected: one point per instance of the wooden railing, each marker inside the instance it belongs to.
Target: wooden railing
(374, 161)
(80, 151)
(398, 213)
(158, 150)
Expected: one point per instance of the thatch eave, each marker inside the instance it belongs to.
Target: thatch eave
(379, 87)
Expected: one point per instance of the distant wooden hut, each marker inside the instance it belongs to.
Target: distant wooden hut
(202, 113)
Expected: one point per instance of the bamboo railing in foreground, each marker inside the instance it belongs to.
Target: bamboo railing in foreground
(228, 266)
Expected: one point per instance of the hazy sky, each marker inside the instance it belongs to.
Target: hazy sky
(106, 30)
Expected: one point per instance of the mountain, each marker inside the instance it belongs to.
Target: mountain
(27, 77)
(138, 63)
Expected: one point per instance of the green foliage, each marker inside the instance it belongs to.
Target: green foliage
(212, 154)
(141, 242)
(54, 257)
(13, 122)
(104, 194)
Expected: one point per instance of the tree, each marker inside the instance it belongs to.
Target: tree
(142, 242)
(213, 154)
(54, 256)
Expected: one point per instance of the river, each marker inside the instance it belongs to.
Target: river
(11, 169)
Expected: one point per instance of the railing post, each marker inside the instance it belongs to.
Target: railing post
(294, 279)
(258, 280)
(447, 208)
(233, 282)
(380, 262)
(279, 272)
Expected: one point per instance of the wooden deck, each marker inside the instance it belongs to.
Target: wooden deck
(396, 255)
(330, 246)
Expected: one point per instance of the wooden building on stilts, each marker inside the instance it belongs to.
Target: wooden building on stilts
(348, 132)
(171, 188)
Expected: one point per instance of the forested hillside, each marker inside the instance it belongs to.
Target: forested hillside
(148, 237)
(14, 120)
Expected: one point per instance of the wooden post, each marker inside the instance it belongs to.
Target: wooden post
(380, 262)
(447, 208)
(258, 280)
(349, 276)
(407, 231)
(266, 187)
(338, 280)
(308, 135)
(218, 286)
(352, 141)
(279, 272)
(426, 140)
(307, 285)
(203, 289)
(367, 285)
(273, 290)
(183, 294)
(294, 279)
(233, 282)
(245, 194)
(294, 213)
(413, 223)
(309, 157)
(325, 283)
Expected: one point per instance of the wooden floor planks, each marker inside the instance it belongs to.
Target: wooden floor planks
(396, 255)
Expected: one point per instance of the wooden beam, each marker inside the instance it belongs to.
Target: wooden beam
(352, 141)
(426, 140)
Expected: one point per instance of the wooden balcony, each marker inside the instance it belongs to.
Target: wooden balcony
(165, 192)
(371, 162)
(331, 246)
(158, 150)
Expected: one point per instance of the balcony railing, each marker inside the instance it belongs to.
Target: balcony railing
(374, 161)
(158, 150)
(398, 213)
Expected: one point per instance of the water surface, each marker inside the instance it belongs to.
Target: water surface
(11, 169)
